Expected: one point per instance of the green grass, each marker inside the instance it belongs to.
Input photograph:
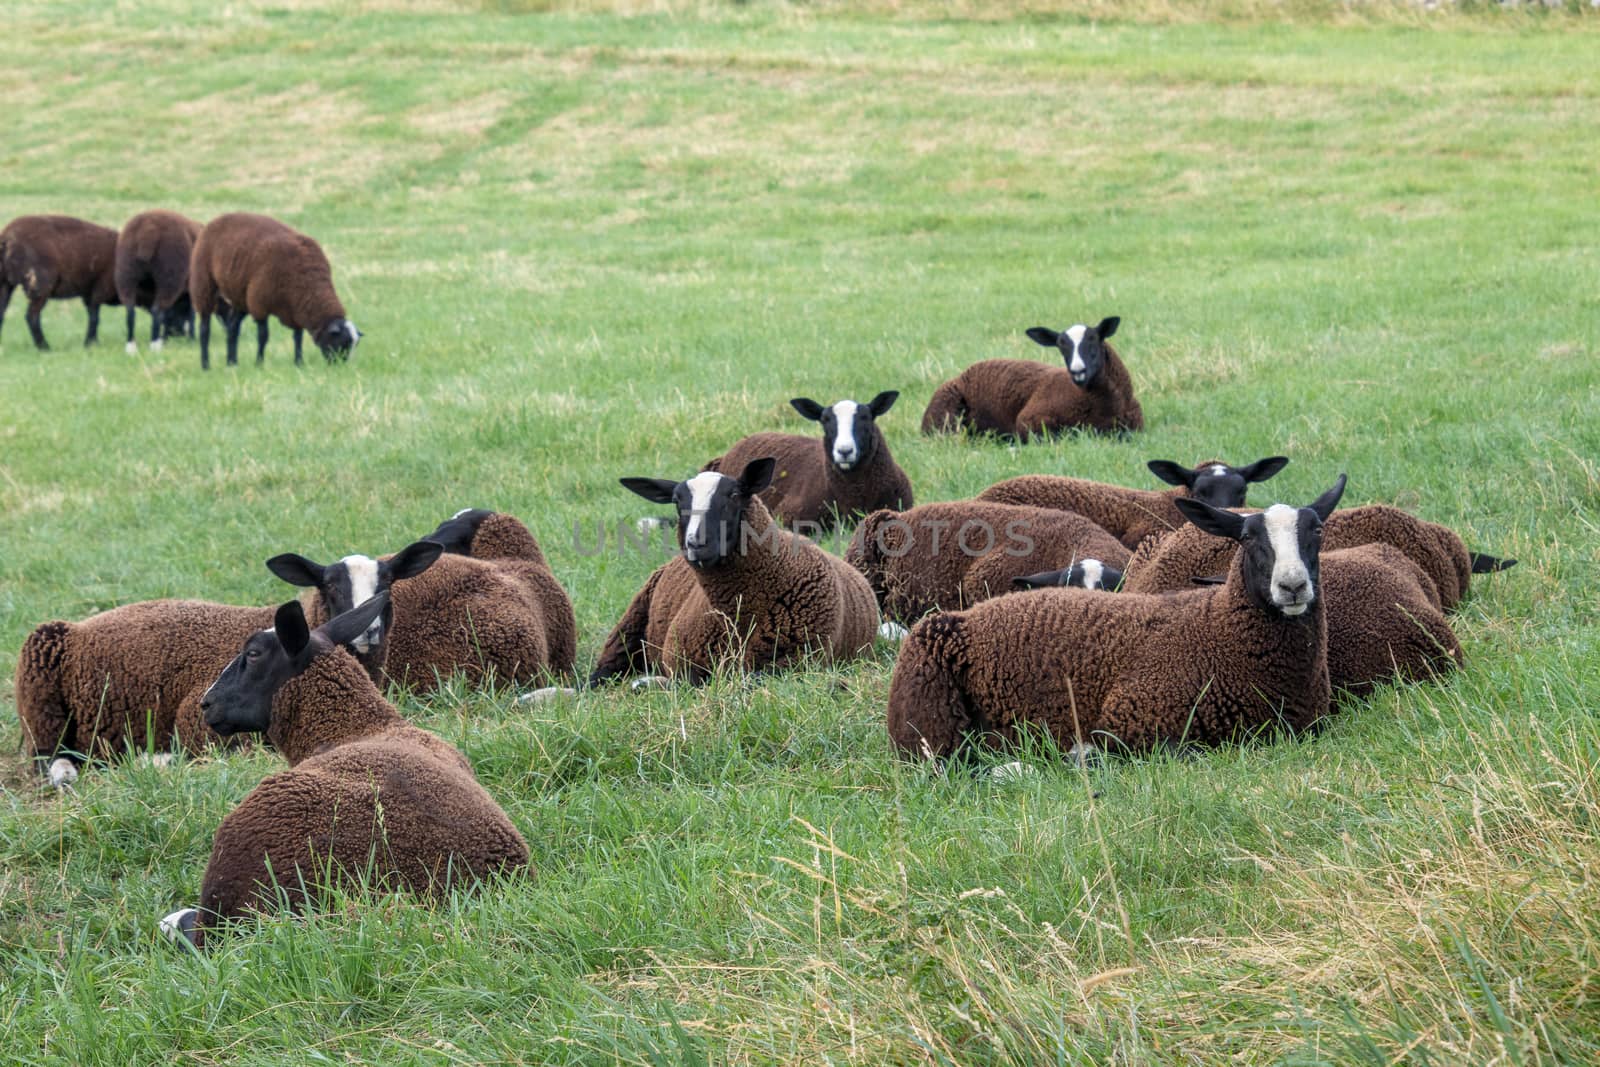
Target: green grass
(588, 244)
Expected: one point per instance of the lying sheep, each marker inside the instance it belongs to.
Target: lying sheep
(848, 474)
(1204, 666)
(257, 266)
(1084, 574)
(1018, 398)
(131, 677)
(1132, 515)
(954, 554)
(152, 271)
(1172, 562)
(366, 796)
(743, 590)
(55, 257)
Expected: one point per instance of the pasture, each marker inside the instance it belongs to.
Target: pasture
(584, 243)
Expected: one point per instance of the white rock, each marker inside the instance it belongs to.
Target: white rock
(547, 694)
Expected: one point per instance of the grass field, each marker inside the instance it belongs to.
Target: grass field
(586, 244)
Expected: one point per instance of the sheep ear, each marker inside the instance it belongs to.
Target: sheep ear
(1262, 469)
(412, 560)
(296, 570)
(1108, 327)
(342, 629)
(1211, 520)
(655, 490)
(1042, 580)
(881, 403)
(1044, 335)
(1210, 579)
(757, 475)
(1171, 473)
(289, 624)
(807, 407)
(1325, 503)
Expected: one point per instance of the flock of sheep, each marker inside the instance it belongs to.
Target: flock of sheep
(1108, 617)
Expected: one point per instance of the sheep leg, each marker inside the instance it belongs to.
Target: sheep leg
(132, 347)
(5, 300)
(35, 306)
(205, 341)
(233, 320)
(261, 341)
(624, 651)
(94, 323)
(298, 333)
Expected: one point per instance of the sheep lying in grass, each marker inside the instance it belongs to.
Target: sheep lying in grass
(819, 484)
(55, 257)
(743, 592)
(1132, 515)
(131, 677)
(1204, 666)
(1085, 574)
(1018, 398)
(957, 553)
(367, 796)
(152, 271)
(253, 265)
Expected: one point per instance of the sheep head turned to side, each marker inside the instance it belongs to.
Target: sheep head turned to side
(355, 580)
(711, 508)
(1217, 483)
(1279, 548)
(1084, 574)
(1082, 347)
(335, 339)
(240, 700)
(849, 429)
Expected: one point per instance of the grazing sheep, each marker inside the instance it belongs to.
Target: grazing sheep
(818, 486)
(257, 266)
(1204, 666)
(1132, 515)
(1172, 562)
(132, 677)
(1020, 398)
(1084, 574)
(152, 271)
(954, 554)
(57, 257)
(366, 793)
(744, 590)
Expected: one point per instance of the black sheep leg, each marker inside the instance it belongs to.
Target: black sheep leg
(205, 342)
(261, 341)
(233, 321)
(298, 362)
(130, 323)
(35, 306)
(94, 323)
(5, 299)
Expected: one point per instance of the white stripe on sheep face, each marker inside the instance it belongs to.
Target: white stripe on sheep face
(702, 488)
(1292, 591)
(1093, 573)
(1076, 364)
(363, 578)
(846, 450)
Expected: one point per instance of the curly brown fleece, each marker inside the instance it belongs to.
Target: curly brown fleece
(499, 610)
(51, 257)
(806, 486)
(1384, 619)
(760, 610)
(1125, 671)
(916, 563)
(263, 268)
(1131, 515)
(152, 261)
(1022, 398)
(366, 794)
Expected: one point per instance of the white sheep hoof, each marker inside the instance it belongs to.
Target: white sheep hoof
(156, 759)
(63, 773)
(155, 346)
(1083, 754)
(650, 681)
(893, 631)
(653, 522)
(1015, 771)
(547, 694)
(179, 926)
(132, 348)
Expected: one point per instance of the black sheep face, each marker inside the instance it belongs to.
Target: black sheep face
(1217, 484)
(337, 338)
(1281, 548)
(355, 580)
(711, 509)
(849, 430)
(1082, 347)
(1084, 574)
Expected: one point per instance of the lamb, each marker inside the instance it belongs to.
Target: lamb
(1018, 398)
(254, 265)
(366, 793)
(954, 554)
(1172, 562)
(816, 488)
(1204, 666)
(152, 271)
(131, 677)
(1132, 515)
(1084, 574)
(57, 257)
(742, 591)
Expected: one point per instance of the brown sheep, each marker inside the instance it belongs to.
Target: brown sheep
(1205, 666)
(956, 553)
(58, 257)
(818, 485)
(1131, 515)
(744, 590)
(254, 265)
(152, 271)
(366, 795)
(1018, 398)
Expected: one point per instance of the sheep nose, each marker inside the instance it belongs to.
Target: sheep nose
(1293, 587)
